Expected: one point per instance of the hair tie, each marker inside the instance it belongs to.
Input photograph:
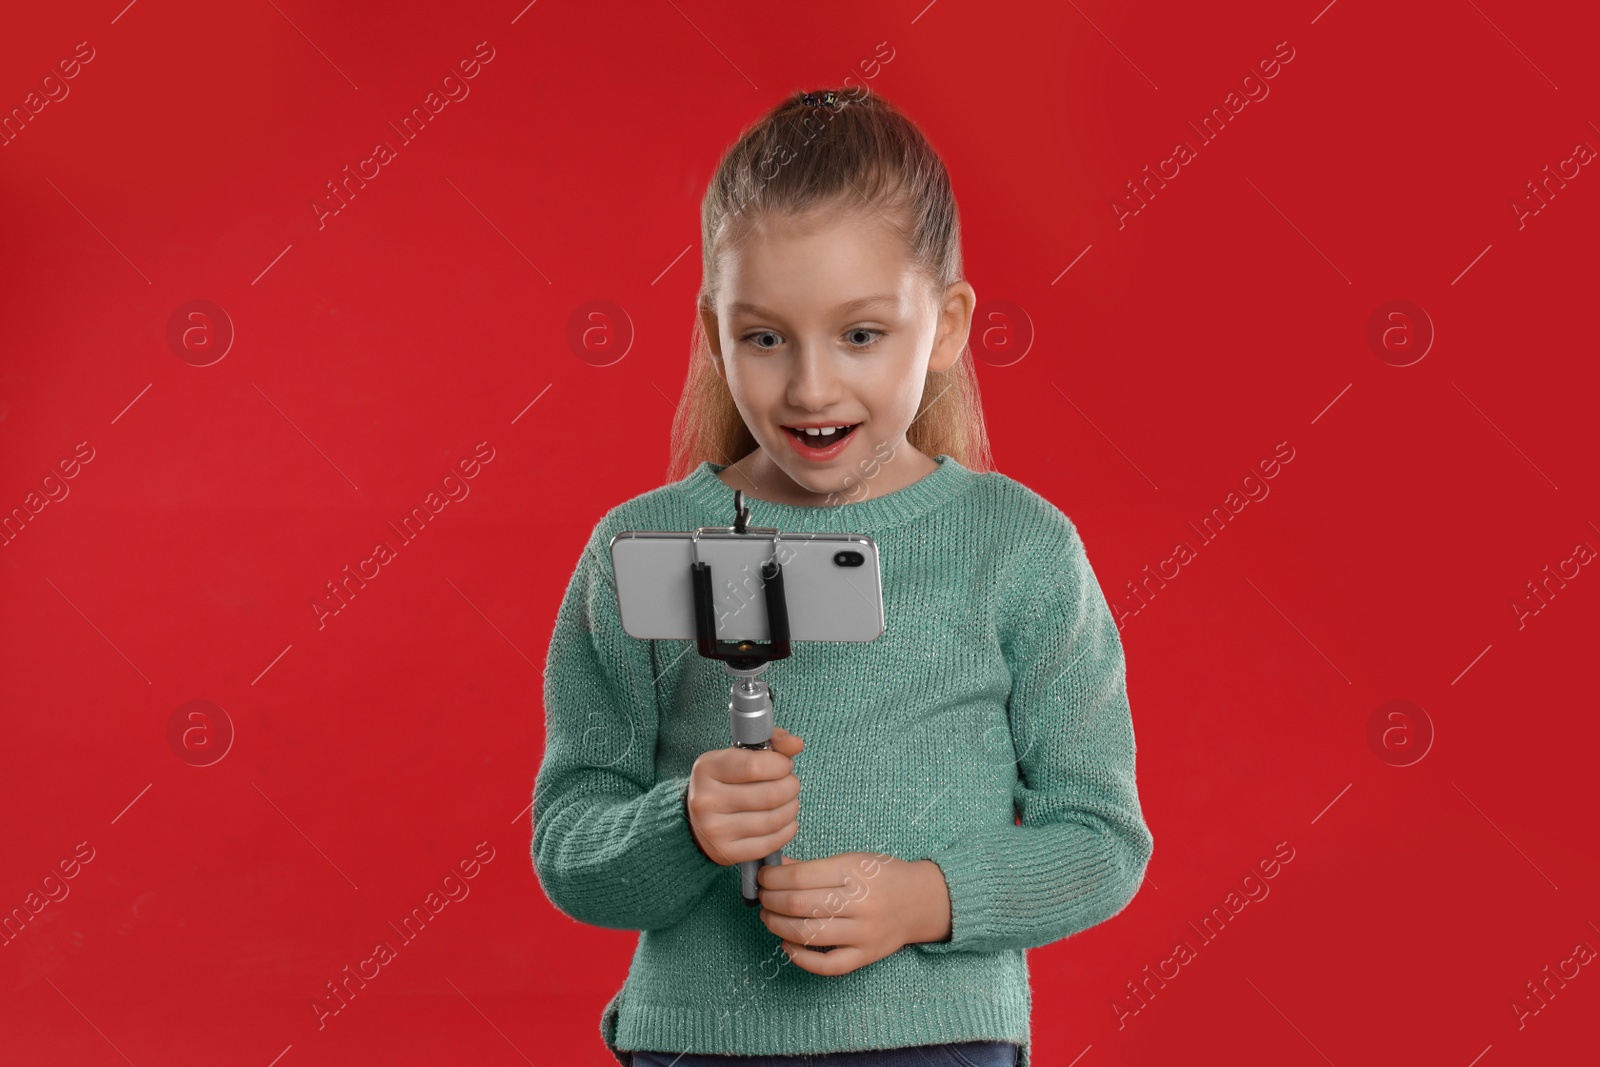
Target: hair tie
(828, 99)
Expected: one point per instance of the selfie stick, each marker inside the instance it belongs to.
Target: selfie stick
(749, 700)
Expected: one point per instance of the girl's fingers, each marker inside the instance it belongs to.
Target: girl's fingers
(841, 960)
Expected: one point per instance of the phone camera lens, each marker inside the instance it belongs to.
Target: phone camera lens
(848, 558)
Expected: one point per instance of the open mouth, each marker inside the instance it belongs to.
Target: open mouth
(820, 440)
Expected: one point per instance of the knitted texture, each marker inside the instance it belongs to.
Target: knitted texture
(986, 729)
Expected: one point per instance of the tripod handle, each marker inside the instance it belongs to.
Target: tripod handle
(749, 888)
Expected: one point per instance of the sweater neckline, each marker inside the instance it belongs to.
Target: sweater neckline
(905, 504)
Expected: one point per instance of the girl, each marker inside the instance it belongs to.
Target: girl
(968, 776)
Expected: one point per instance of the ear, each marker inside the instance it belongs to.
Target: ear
(955, 322)
(708, 320)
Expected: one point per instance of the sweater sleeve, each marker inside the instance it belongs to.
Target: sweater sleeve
(611, 843)
(1080, 853)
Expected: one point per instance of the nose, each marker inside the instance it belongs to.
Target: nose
(813, 377)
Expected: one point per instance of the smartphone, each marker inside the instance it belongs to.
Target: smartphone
(831, 583)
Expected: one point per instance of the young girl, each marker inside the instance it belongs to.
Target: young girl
(968, 777)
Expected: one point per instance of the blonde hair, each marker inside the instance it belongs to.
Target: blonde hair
(862, 149)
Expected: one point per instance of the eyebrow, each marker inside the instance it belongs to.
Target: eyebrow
(846, 308)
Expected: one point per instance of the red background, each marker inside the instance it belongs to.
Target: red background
(373, 353)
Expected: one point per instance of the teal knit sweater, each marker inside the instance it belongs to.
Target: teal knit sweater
(986, 729)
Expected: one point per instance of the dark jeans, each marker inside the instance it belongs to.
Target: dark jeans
(960, 1054)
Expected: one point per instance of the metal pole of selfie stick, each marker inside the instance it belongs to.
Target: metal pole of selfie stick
(750, 714)
(749, 700)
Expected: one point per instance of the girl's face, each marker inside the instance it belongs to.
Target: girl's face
(821, 321)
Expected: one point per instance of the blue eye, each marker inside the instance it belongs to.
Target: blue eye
(877, 335)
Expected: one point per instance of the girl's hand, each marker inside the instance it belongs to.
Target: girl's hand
(866, 905)
(744, 803)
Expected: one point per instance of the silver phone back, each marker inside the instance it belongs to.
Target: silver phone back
(826, 601)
